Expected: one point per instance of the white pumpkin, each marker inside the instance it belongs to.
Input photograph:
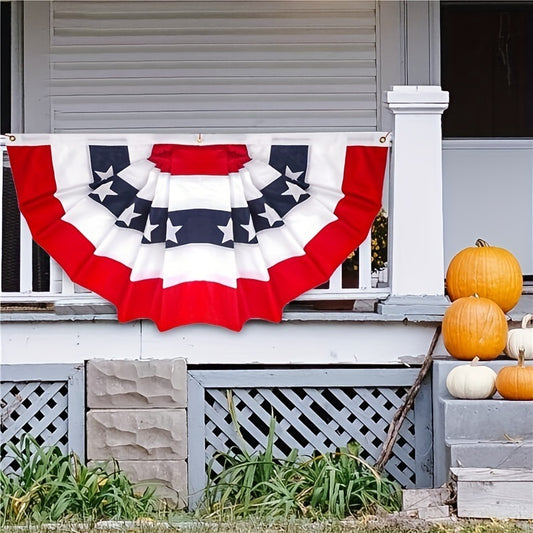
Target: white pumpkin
(472, 381)
(520, 338)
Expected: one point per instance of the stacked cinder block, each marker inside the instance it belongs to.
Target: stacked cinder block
(427, 504)
(137, 415)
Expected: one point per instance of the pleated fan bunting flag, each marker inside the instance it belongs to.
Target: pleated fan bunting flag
(178, 231)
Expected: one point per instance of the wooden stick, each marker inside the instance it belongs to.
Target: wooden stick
(401, 413)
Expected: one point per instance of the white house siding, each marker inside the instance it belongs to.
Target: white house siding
(488, 194)
(201, 66)
(291, 342)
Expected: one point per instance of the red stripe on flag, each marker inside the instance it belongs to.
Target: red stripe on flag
(210, 160)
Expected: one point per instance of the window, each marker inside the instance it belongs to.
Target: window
(487, 66)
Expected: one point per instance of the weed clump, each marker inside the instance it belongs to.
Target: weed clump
(325, 485)
(47, 486)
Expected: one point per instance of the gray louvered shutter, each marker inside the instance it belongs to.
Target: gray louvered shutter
(213, 66)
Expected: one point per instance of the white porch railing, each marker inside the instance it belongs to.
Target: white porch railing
(65, 296)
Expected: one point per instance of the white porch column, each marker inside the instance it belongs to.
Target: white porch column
(416, 247)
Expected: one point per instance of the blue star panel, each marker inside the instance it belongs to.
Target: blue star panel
(199, 225)
(294, 157)
(105, 157)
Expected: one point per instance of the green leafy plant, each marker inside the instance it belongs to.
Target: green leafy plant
(48, 485)
(333, 484)
(378, 244)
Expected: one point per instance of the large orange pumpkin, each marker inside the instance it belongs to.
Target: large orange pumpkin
(474, 326)
(489, 271)
(516, 382)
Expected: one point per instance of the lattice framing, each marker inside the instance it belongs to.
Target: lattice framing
(44, 401)
(314, 410)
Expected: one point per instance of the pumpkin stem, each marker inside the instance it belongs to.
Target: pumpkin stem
(474, 361)
(480, 243)
(521, 356)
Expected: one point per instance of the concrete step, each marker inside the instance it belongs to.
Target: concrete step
(503, 454)
(487, 420)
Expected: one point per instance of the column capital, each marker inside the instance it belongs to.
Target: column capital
(416, 99)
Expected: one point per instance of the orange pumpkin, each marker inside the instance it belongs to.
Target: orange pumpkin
(516, 382)
(474, 326)
(488, 271)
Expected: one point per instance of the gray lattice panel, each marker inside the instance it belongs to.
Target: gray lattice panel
(314, 410)
(44, 401)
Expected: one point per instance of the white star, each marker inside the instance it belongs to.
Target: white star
(227, 231)
(293, 190)
(148, 229)
(292, 175)
(249, 228)
(172, 230)
(105, 190)
(270, 214)
(107, 174)
(128, 214)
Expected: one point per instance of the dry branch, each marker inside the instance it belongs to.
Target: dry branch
(401, 413)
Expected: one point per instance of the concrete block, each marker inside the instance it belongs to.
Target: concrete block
(133, 434)
(487, 420)
(503, 454)
(414, 499)
(169, 478)
(434, 512)
(136, 384)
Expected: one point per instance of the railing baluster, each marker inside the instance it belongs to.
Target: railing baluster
(56, 278)
(26, 258)
(67, 286)
(335, 282)
(365, 264)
